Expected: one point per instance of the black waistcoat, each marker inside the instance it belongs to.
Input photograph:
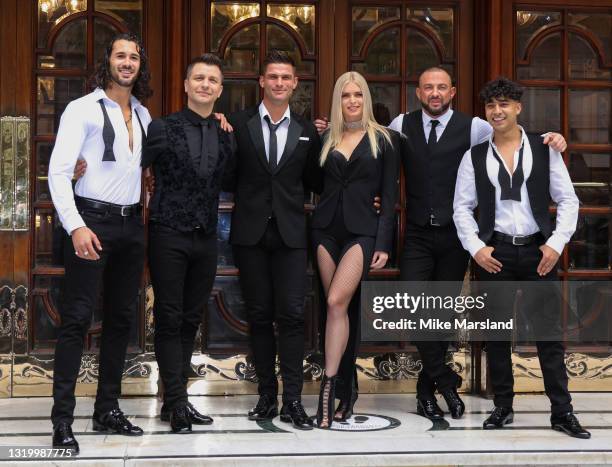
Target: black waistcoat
(538, 188)
(184, 198)
(430, 178)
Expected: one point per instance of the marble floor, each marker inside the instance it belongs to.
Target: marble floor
(385, 432)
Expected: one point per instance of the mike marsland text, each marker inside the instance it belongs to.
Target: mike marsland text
(436, 324)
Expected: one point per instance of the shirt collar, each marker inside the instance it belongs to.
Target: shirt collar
(263, 112)
(443, 119)
(195, 118)
(524, 140)
(100, 93)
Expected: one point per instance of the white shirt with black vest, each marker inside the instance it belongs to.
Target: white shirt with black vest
(479, 133)
(80, 137)
(514, 217)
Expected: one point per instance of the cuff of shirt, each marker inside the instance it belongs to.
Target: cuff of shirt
(556, 243)
(474, 245)
(73, 223)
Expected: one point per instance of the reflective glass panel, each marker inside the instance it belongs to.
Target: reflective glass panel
(49, 237)
(53, 95)
(592, 177)
(386, 100)
(300, 17)
(589, 115)
(590, 245)
(43, 155)
(420, 53)
(242, 52)
(545, 60)
(238, 95)
(541, 110)
(52, 12)
(224, 15)
(70, 47)
(280, 39)
(439, 21)
(103, 34)
(225, 302)
(412, 102)
(225, 256)
(302, 100)
(529, 23)
(599, 24)
(365, 20)
(128, 12)
(383, 55)
(583, 61)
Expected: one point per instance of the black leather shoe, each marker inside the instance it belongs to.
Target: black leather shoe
(179, 420)
(429, 408)
(456, 407)
(569, 424)
(115, 422)
(499, 417)
(266, 408)
(63, 438)
(196, 417)
(294, 413)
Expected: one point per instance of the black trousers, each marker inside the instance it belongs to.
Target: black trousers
(433, 254)
(520, 264)
(273, 283)
(120, 269)
(183, 267)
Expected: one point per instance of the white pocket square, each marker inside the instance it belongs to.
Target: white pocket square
(304, 138)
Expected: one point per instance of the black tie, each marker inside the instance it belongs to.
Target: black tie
(272, 156)
(507, 191)
(108, 135)
(433, 137)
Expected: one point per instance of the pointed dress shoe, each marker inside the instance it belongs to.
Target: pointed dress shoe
(456, 407)
(429, 408)
(569, 424)
(499, 417)
(179, 420)
(63, 438)
(266, 408)
(115, 422)
(195, 417)
(294, 413)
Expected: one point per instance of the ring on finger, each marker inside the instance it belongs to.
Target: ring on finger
(85, 253)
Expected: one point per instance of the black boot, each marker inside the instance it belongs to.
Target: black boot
(327, 397)
(347, 402)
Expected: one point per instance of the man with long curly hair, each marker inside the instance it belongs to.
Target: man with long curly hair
(105, 237)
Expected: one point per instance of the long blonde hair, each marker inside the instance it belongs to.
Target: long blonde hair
(336, 124)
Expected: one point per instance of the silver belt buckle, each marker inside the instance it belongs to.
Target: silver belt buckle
(514, 237)
(433, 222)
(123, 214)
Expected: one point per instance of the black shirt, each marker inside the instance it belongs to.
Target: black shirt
(202, 140)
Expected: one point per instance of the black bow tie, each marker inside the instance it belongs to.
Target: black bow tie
(108, 135)
(510, 191)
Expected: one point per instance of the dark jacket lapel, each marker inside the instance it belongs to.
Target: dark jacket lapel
(293, 136)
(254, 126)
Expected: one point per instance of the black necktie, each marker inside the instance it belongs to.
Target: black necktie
(507, 191)
(433, 137)
(273, 149)
(108, 135)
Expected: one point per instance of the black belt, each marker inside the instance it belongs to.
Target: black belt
(517, 240)
(108, 208)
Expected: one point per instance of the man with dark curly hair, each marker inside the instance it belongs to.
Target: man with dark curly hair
(512, 178)
(105, 236)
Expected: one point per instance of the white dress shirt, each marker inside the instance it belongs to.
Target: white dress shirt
(514, 217)
(281, 131)
(479, 133)
(80, 137)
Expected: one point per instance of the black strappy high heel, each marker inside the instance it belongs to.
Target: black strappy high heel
(327, 396)
(345, 407)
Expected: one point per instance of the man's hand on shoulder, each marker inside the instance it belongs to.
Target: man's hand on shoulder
(225, 125)
(321, 124)
(555, 141)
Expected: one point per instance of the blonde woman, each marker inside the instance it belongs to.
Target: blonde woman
(360, 161)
